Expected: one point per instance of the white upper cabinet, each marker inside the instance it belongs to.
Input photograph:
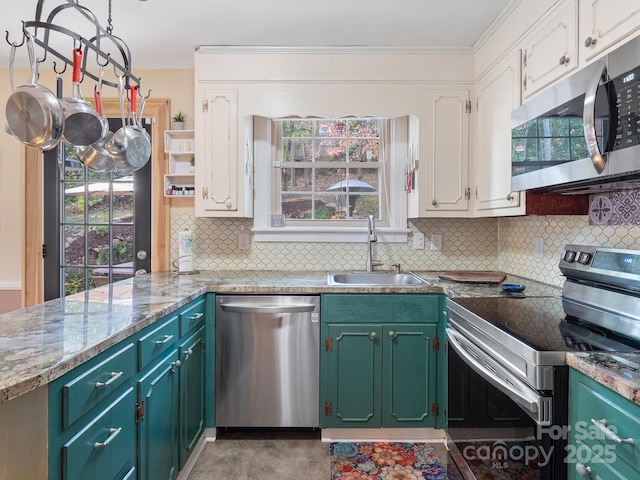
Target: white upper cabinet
(447, 152)
(497, 94)
(221, 182)
(551, 51)
(605, 22)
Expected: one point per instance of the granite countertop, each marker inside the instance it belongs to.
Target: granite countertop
(619, 371)
(39, 344)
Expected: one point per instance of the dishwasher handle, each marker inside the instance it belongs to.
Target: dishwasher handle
(267, 308)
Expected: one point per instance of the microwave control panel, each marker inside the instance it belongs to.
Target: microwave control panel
(627, 95)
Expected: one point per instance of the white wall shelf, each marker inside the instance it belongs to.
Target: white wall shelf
(180, 146)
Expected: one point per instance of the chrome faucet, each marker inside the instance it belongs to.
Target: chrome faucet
(372, 237)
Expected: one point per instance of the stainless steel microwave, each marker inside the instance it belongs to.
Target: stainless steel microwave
(584, 132)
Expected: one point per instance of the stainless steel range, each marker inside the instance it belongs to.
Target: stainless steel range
(516, 345)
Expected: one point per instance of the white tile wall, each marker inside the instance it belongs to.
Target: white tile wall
(468, 244)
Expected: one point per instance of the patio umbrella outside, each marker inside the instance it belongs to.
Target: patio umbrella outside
(354, 186)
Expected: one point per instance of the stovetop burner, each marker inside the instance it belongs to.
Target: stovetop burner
(542, 324)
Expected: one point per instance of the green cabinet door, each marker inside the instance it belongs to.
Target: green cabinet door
(158, 420)
(409, 375)
(192, 393)
(353, 367)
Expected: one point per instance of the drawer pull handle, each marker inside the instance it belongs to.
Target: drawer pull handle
(582, 470)
(114, 377)
(113, 433)
(196, 316)
(601, 425)
(164, 340)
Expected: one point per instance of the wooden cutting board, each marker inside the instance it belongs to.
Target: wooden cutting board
(470, 276)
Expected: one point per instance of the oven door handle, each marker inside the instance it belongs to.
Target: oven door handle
(525, 397)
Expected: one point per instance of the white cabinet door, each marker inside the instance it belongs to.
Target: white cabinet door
(498, 93)
(605, 22)
(447, 151)
(551, 51)
(220, 176)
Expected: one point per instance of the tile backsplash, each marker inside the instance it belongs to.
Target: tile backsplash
(468, 244)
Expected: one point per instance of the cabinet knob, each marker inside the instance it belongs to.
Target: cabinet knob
(228, 203)
(392, 334)
(564, 60)
(434, 202)
(175, 365)
(510, 197)
(590, 42)
(188, 354)
(373, 335)
(582, 470)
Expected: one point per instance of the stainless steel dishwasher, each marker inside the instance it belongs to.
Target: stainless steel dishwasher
(267, 360)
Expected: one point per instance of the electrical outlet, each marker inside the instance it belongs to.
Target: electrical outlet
(538, 247)
(436, 242)
(244, 241)
(418, 241)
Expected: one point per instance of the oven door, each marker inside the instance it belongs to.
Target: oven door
(499, 426)
(535, 404)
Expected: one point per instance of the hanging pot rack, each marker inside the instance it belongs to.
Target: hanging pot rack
(41, 30)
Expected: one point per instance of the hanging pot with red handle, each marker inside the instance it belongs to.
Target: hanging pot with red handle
(96, 156)
(133, 142)
(83, 125)
(34, 114)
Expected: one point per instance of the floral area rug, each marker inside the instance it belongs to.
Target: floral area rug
(388, 461)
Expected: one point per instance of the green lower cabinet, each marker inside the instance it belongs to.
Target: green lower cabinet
(604, 434)
(353, 376)
(105, 447)
(192, 393)
(409, 375)
(379, 375)
(158, 436)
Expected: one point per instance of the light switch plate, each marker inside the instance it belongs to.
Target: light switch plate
(538, 247)
(244, 241)
(418, 241)
(436, 242)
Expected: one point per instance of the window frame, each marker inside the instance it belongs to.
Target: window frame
(392, 228)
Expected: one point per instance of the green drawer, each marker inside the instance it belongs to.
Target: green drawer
(383, 308)
(589, 400)
(88, 389)
(585, 460)
(157, 341)
(106, 447)
(193, 316)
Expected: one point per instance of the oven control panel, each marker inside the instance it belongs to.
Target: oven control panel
(609, 265)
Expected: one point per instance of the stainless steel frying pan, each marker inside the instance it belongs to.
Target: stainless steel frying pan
(34, 114)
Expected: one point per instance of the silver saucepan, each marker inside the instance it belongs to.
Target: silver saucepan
(34, 114)
(96, 156)
(137, 147)
(83, 125)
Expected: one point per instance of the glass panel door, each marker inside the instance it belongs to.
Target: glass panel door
(104, 225)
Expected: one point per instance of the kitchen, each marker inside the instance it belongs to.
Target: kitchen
(504, 243)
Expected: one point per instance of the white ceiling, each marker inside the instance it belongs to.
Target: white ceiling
(164, 33)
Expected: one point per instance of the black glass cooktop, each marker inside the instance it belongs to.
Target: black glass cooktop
(541, 323)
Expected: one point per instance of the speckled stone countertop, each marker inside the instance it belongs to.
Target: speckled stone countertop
(40, 343)
(619, 371)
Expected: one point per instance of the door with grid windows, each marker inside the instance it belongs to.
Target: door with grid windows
(97, 225)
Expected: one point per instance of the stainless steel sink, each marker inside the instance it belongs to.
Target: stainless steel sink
(374, 279)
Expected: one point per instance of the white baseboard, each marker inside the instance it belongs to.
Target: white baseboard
(383, 435)
(7, 285)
